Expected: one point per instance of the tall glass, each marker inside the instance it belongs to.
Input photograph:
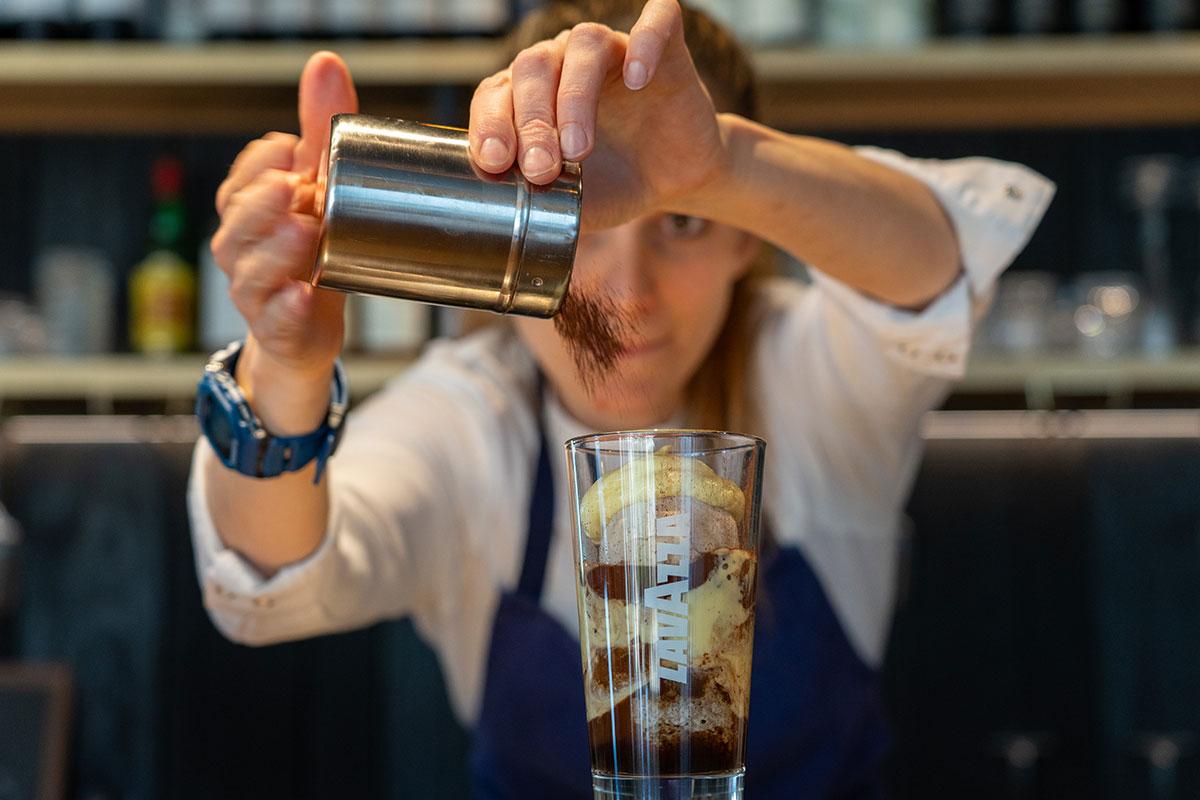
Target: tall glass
(666, 535)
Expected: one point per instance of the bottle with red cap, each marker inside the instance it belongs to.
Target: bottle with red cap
(162, 287)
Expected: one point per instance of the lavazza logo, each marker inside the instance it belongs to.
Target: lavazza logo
(669, 611)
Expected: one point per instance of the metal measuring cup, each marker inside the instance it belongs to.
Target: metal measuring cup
(407, 214)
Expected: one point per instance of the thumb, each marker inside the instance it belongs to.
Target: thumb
(326, 88)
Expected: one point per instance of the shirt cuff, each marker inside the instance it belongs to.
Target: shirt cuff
(994, 206)
(244, 605)
(934, 341)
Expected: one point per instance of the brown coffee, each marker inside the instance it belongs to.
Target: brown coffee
(696, 727)
(702, 746)
(595, 331)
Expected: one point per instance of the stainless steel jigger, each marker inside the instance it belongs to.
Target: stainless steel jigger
(407, 214)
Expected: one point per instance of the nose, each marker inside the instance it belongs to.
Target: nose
(621, 261)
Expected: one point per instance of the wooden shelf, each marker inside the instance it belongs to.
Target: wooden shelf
(245, 88)
(1044, 379)
(232, 64)
(239, 88)
(1050, 82)
(126, 377)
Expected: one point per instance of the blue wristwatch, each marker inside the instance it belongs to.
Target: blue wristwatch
(240, 440)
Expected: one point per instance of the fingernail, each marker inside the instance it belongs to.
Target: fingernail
(574, 140)
(635, 75)
(537, 160)
(493, 152)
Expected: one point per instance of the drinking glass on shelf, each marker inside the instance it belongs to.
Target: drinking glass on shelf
(1191, 192)
(1019, 322)
(75, 289)
(969, 18)
(1034, 17)
(1149, 185)
(1023, 752)
(10, 541)
(1099, 16)
(1109, 313)
(22, 331)
(1162, 751)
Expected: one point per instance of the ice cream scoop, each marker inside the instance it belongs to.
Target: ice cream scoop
(629, 535)
(654, 476)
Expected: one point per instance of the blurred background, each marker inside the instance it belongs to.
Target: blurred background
(1047, 641)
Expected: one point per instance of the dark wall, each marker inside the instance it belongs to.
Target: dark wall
(1051, 611)
(167, 708)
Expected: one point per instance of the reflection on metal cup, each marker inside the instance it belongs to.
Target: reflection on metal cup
(407, 214)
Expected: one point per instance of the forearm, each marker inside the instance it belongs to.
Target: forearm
(869, 226)
(276, 521)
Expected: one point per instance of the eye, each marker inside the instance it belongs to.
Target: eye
(682, 226)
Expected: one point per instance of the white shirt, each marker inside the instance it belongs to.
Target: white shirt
(431, 485)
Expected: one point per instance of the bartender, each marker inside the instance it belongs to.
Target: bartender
(447, 500)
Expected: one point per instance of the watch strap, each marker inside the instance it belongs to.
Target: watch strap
(255, 452)
(291, 453)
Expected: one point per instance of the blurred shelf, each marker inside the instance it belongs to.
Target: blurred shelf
(231, 64)
(1039, 379)
(225, 87)
(1044, 380)
(244, 88)
(1072, 373)
(129, 377)
(1178, 423)
(1071, 82)
(107, 377)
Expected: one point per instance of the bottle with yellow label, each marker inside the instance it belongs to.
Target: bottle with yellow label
(162, 287)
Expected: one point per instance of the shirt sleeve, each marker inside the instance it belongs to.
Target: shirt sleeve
(847, 378)
(399, 534)
(361, 572)
(422, 492)
(245, 606)
(994, 208)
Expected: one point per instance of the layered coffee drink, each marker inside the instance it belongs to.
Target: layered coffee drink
(667, 568)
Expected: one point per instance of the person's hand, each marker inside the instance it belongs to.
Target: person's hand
(632, 105)
(270, 226)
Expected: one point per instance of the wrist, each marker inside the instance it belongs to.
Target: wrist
(711, 195)
(289, 400)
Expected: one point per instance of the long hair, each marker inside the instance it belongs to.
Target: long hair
(719, 395)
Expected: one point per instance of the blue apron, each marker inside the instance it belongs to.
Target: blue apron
(816, 716)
